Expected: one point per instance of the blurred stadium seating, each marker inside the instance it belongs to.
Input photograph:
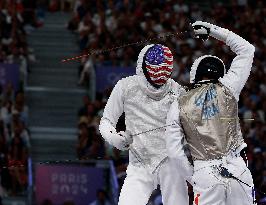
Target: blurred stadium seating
(113, 23)
(52, 124)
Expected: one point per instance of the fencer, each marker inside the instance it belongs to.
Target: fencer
(145, 98)
(207, 117)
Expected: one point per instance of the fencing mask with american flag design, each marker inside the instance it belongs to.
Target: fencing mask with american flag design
(157, 65)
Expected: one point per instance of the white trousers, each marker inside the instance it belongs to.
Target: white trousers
(210, 188)
(139, 185)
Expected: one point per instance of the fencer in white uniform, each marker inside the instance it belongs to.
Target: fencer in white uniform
(145, 98)
(207, 116)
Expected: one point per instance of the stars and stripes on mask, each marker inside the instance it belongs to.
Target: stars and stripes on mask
(158, 65)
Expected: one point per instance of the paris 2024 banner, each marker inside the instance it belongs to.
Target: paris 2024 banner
(60, 183)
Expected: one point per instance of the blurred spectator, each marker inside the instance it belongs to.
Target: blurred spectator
(9, 93)
(90, 144)
(17, 162)
(4, 173)
(83, 110)
(6, 116)
(20, 107)
(17, 18)
(101, 199)
(87, 77)
(14, 142)
(24, 133)
(84, 140)
(68, 203)
(47, 202)
(97, 149)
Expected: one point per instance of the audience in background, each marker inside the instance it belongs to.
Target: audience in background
(68, 203)
(47, 202)
(17, 162)
(14, 145)
(102, 198)
(106, 24)
(17, 19)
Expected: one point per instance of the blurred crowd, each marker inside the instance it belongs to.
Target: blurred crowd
(110, 23)
(17, 19)
(14, 142)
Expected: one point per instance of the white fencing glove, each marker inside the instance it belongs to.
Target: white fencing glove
(120, 140)
(128, 139)
(203, 30)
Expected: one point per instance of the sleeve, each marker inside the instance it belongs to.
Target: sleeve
(240, 68)
(174, 141)
(174, 133)
(112, 111)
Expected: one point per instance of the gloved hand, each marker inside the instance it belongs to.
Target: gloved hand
(128, 137)
(120, 140)
(203, 30)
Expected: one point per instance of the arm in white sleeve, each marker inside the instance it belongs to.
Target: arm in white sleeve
(174, 134)
(240, 68)
(174, 140)
(112, 111)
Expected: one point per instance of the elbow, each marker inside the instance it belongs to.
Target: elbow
(103, 127)
(247, 51)
(106, 129)
(240, 46)
(251, 49)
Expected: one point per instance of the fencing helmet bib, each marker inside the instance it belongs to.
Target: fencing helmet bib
(207, 66)
(157, 65)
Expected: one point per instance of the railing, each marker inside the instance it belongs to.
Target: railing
(30, 181)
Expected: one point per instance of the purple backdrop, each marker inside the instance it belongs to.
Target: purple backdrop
(9, 73)
(67, 182)
(108, 76)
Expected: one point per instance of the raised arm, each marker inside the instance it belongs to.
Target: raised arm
(112, 111)
(240, 68)
(237, 75)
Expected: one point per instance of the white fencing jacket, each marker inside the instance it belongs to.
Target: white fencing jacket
(145, 108)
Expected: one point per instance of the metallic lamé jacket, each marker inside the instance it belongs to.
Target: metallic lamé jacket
(209, 116)
(208, 113)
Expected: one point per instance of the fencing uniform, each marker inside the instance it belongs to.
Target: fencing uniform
(146, 98)
(208, 114)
